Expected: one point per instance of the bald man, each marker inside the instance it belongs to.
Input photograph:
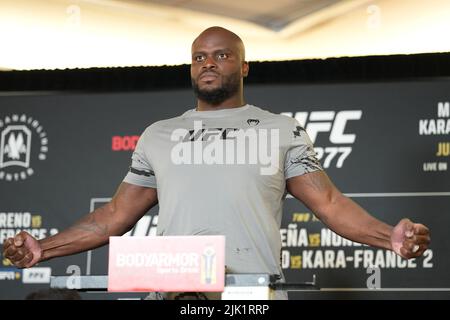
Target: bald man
(223, 168)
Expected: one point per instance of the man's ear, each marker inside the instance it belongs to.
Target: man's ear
(245, 68)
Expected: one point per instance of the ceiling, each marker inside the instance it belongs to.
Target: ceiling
(273, 15)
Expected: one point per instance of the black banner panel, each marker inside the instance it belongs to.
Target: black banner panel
(385, 145)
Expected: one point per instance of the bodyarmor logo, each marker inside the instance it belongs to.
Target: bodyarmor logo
(16, 148)
(208, 266)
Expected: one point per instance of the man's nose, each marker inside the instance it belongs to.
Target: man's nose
(210, 63)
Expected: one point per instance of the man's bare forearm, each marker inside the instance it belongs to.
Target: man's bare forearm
(339, 213)
(90, 232)
(348, 219)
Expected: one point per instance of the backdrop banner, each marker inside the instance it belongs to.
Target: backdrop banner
(385, 145)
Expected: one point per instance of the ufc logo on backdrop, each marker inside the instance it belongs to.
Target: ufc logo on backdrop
(333, 123)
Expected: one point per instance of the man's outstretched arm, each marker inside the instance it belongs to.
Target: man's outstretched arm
(115, 218)
(348, 219)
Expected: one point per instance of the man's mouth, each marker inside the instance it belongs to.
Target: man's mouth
(208, 76)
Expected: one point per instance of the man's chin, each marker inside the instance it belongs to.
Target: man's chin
(209, 87)
(214, 97)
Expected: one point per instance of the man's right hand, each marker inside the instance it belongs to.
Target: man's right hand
(118, 216)
(23, 250)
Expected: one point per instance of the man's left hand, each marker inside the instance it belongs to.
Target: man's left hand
(410, 240)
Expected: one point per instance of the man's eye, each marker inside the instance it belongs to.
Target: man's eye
(199, 58)
(222, 56)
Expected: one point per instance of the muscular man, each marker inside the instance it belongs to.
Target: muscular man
(223, 168)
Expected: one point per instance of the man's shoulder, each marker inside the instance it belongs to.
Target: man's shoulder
(165, 122)
(266, 114)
